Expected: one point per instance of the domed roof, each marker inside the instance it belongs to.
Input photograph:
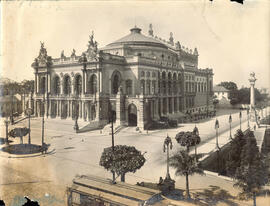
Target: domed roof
(136, 38)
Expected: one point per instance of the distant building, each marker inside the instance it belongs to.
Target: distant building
(135, 80)
(222, 95)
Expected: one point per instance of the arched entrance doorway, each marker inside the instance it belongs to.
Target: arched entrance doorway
(132, 115)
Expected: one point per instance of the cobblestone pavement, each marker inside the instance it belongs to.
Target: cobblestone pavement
(45, 177)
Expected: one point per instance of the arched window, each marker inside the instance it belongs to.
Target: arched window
(153, 87)
(148, 87)
(42, 87)
(115, 83)
(129, 87)
(78, 85)
(142, 74)
(56, 85)
(170, 82)
(148, 74)
(92, 84)
(67, 85)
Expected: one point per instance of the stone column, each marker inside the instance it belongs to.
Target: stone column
(35, 88)
(252, 93)
(50, 108)
(140, 113)
(61, 86)
(68, 108)
(80, 109)
(84, 117)
(161, 107)
(35, 108)
(83, 83)
(37, 84)
(253, 115)
(172, 101)
(120, 108)
(168, 111)
(97, 110)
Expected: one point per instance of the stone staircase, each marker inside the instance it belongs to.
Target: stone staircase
(107, 129)
(93, 125)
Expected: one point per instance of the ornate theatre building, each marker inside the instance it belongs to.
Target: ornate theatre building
(134, 80)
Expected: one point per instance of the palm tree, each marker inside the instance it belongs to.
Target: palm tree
(185, 165)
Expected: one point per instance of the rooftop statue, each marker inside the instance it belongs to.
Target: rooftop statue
(73, 53)
(62, 54)
(252, 77)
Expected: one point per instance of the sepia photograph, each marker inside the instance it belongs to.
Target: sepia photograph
(135, 103)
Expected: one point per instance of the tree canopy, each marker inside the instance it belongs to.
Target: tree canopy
(187, 139)
(252, 173)
(234, 156)
(122, 159)
(228, 85)
(19, 132)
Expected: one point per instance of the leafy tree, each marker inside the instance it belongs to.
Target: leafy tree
(184, 139)
(252, 173)
(27, 86)
(228, 85)
(185, 165)
(188, 139)
(242, 96)
(121, 160)
(233, 160)
(19, 132)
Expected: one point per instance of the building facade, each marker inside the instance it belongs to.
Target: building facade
(133, 80)
(222, 95)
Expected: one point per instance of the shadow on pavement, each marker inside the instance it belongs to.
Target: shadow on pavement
(214, 195)
(22, 149)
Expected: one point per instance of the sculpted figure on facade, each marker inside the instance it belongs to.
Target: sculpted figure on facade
(63, 55)
(92, 49)
(42, 54)
(73, 53)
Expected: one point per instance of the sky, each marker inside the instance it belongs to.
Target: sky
(232, 39)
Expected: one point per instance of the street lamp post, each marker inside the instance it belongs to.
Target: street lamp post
(196, 132)
(216, 127)
(113, 173)
(28, 112)
(43, 114)
(217, 146)
(230, 122)
(240, 118)
(248, 117)
(166, 146)
(76, 126)
(6, 123)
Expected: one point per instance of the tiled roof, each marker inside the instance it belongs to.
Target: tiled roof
(220, 89)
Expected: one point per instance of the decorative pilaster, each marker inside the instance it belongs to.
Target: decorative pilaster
(120, 107)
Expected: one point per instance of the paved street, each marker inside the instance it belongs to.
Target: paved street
(45, 177)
